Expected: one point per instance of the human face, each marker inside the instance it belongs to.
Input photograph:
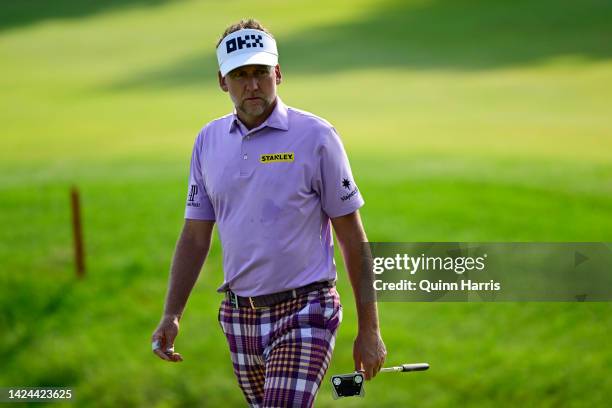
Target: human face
(252, 89)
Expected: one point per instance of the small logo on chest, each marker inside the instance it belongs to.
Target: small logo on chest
(277, 157)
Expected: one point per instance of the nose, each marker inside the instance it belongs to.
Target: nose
(252, 83)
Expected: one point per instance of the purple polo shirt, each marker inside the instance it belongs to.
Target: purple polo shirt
(272, 191)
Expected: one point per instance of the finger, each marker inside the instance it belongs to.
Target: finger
(362, 372)
(366, 373)
(375, 371)
(170, 351)
(377, 367)
(358, 363)
(156, 343)
(175, 357)
(371, 370)
(382, 361)
(161, 354)
(378, 363)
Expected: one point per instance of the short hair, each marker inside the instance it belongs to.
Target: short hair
(242, 24)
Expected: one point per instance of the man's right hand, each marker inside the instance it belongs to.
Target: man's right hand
(162, 340)
(189, 255)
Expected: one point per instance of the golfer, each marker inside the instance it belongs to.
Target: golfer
(274, 179)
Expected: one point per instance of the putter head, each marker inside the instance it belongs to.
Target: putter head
(348, 385)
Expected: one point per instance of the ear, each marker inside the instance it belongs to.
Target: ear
(222, 83)
(278, 74)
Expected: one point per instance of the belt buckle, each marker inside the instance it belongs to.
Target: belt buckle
(253, 304)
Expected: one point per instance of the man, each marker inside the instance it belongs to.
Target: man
(272, 177)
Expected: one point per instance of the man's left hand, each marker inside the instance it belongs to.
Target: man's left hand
(369, 353)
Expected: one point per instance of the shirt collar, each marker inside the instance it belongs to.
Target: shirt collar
(278, 119)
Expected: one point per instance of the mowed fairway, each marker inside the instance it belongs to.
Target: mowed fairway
(464, 120)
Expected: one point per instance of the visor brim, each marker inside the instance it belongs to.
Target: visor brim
(240, 60)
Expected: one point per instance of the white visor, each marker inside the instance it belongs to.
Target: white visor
(246, 47)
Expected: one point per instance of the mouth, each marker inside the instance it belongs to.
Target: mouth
(253, 99)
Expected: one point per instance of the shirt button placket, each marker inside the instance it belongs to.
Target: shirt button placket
(244, 163)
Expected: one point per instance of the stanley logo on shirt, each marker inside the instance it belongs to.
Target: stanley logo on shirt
(277, 157)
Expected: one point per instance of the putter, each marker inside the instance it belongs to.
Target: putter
(350, 385)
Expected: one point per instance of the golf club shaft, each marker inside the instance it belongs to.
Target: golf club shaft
(405, 368)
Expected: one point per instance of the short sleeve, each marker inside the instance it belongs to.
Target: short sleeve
(198, 205)
(334, 180)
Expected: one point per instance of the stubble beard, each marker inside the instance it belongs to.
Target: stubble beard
(254, 110)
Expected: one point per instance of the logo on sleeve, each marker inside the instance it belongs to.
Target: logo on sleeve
(193, 192)
(346, 183)
(277, 157)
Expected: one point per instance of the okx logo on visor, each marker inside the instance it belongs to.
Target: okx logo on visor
(246, 47)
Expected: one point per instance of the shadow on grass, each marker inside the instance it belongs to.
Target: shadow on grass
(20, 13)
(436, 34)
(31, 316)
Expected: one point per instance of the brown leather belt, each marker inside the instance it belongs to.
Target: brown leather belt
(256, 302)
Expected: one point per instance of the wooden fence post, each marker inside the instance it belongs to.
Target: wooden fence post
(77, 232)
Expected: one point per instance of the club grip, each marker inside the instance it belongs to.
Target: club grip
(415, 367)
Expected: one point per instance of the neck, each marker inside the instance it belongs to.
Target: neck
(253, 121)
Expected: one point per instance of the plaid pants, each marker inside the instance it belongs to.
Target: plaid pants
(281, 353)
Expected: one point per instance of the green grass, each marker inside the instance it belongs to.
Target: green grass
(468, 120)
